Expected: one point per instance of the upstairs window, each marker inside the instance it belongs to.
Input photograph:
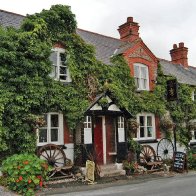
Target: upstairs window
(60, 69)
(52, 131)
(141, 76)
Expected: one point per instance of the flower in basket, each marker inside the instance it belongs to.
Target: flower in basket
(133, 125)
(166, 123)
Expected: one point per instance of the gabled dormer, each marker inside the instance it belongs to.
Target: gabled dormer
(142, 62)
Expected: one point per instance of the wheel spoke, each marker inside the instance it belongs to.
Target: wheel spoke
(57, 153)
(59, 158)
(50, 150)
(54, 152)
(44, 156)
(45, 150)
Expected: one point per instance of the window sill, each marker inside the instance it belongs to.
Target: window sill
(112, 153)
(142, 141)
(55, 143)
(141, 90)
(192, 142)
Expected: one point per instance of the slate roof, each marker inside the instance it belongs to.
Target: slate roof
(10, 19)
(107, 46)
(183, 75)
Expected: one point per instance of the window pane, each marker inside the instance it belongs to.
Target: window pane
(193, 135)
(141, 120)
(122, 119)
(54, 135)
(89, 125)
(63, 70)
(142, 132)
(43, 135)
(63, 77)
(149, 121)
(63, 58)
(136, 71)
(149, 131)
(53, 58)
(143, 83)
(137, 82)
(144, 72)
(54, 120)
(89, 118)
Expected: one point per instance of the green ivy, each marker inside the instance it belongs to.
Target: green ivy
(27, 90)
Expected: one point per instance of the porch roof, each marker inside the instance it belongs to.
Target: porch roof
(112, 109)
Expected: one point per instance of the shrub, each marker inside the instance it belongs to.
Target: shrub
(25, 173)
(191, 159)
(3, 181)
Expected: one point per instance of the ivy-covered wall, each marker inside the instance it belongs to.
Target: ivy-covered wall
(27, 91)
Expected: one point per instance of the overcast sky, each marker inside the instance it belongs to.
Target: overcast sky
(162, 22)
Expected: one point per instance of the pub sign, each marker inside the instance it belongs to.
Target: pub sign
(172, 90)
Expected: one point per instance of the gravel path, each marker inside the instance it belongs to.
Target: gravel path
(6, 192)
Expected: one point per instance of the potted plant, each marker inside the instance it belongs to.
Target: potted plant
(128, 167)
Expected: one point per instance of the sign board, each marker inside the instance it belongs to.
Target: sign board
(180, 162)
(90, 171)
(172, 90)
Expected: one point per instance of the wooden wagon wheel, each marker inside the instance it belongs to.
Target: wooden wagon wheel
(165, 149)
(147, 154)
(53, 154)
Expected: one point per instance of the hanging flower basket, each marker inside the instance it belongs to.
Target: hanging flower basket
(133, 125)
(166, 123)
(192, 125)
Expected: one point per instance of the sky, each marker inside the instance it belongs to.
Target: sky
(162, 22)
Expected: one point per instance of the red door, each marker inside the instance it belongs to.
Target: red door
(98, 140)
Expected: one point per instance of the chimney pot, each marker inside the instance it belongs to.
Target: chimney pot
(174, 46)
(181, 45)
(129, 19)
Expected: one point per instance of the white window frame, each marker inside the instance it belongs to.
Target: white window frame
(121, 129)
(57, 65)
(193, 132)
(145, 115)
(139, 78)
(48, 128)
(193, 139)
(194, 95)
(88, 130)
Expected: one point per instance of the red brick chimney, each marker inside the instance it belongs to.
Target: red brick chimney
(129, 31)
(179, 54)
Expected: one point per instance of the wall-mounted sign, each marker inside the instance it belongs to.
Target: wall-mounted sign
(172, 90)
(180, 162)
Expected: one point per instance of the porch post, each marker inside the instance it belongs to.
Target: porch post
(93, 125)
(104, 139)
